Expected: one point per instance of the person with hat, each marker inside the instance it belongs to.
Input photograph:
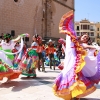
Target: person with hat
(50, 52)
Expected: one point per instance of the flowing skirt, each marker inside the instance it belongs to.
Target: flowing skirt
(79, 75)
(29, 63)
(6, 68)
(47, 61)
(18, 58)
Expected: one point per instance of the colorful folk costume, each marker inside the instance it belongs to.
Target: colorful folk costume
(19, 56)
(7, 57)
(56, 59)
(40, 50)
(81, 68)
(50, 50)
(29, 61)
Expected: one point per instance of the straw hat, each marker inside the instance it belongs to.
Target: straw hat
(50, 41)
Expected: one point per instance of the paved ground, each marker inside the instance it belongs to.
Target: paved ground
(35, 89)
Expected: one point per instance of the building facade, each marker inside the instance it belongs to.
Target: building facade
(98, 32)
(85, 26)
(33, 16)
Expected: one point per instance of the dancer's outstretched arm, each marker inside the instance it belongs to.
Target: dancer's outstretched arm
(86, 46)
(20, 36)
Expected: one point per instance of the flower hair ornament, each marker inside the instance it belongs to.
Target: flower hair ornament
(7, 36)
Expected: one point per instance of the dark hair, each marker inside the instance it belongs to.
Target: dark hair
(36, 35)
(88, 41)
(17, 43)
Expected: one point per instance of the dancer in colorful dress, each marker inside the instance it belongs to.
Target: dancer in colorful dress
(77, 79)
(29, 62)
(6, 57)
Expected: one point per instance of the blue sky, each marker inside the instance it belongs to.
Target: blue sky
(89, 9)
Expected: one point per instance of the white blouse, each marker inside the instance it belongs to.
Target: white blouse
(9, 45)
(34, 44)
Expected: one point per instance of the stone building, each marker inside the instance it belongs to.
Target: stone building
(33, 16)
(85, 26)
(98, 32)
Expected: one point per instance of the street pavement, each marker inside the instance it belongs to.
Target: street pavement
(39, 88)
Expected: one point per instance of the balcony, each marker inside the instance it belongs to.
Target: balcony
(92, 29)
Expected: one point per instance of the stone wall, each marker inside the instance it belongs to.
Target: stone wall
(29, 16)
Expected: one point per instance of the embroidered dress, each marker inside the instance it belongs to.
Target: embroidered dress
(6, 65)
(19, 57)
(81, 67)
(29, 61)
(57, 61)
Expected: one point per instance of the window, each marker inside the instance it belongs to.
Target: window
(97, 29)
(92, 33)
(81, 26)
(77, 28)
(16, 0)
(85, 27)
(91, 28)
(78, 34)
(97, 35)
(88, 27)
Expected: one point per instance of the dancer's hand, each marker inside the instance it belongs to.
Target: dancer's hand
(25, 35)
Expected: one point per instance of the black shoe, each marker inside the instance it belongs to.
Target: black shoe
(50, 67)
(54, 67)
(43, 71)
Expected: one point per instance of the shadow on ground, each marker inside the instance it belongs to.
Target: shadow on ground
(45, 78)
(19, 85)
(89, 99)
(53, 71)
